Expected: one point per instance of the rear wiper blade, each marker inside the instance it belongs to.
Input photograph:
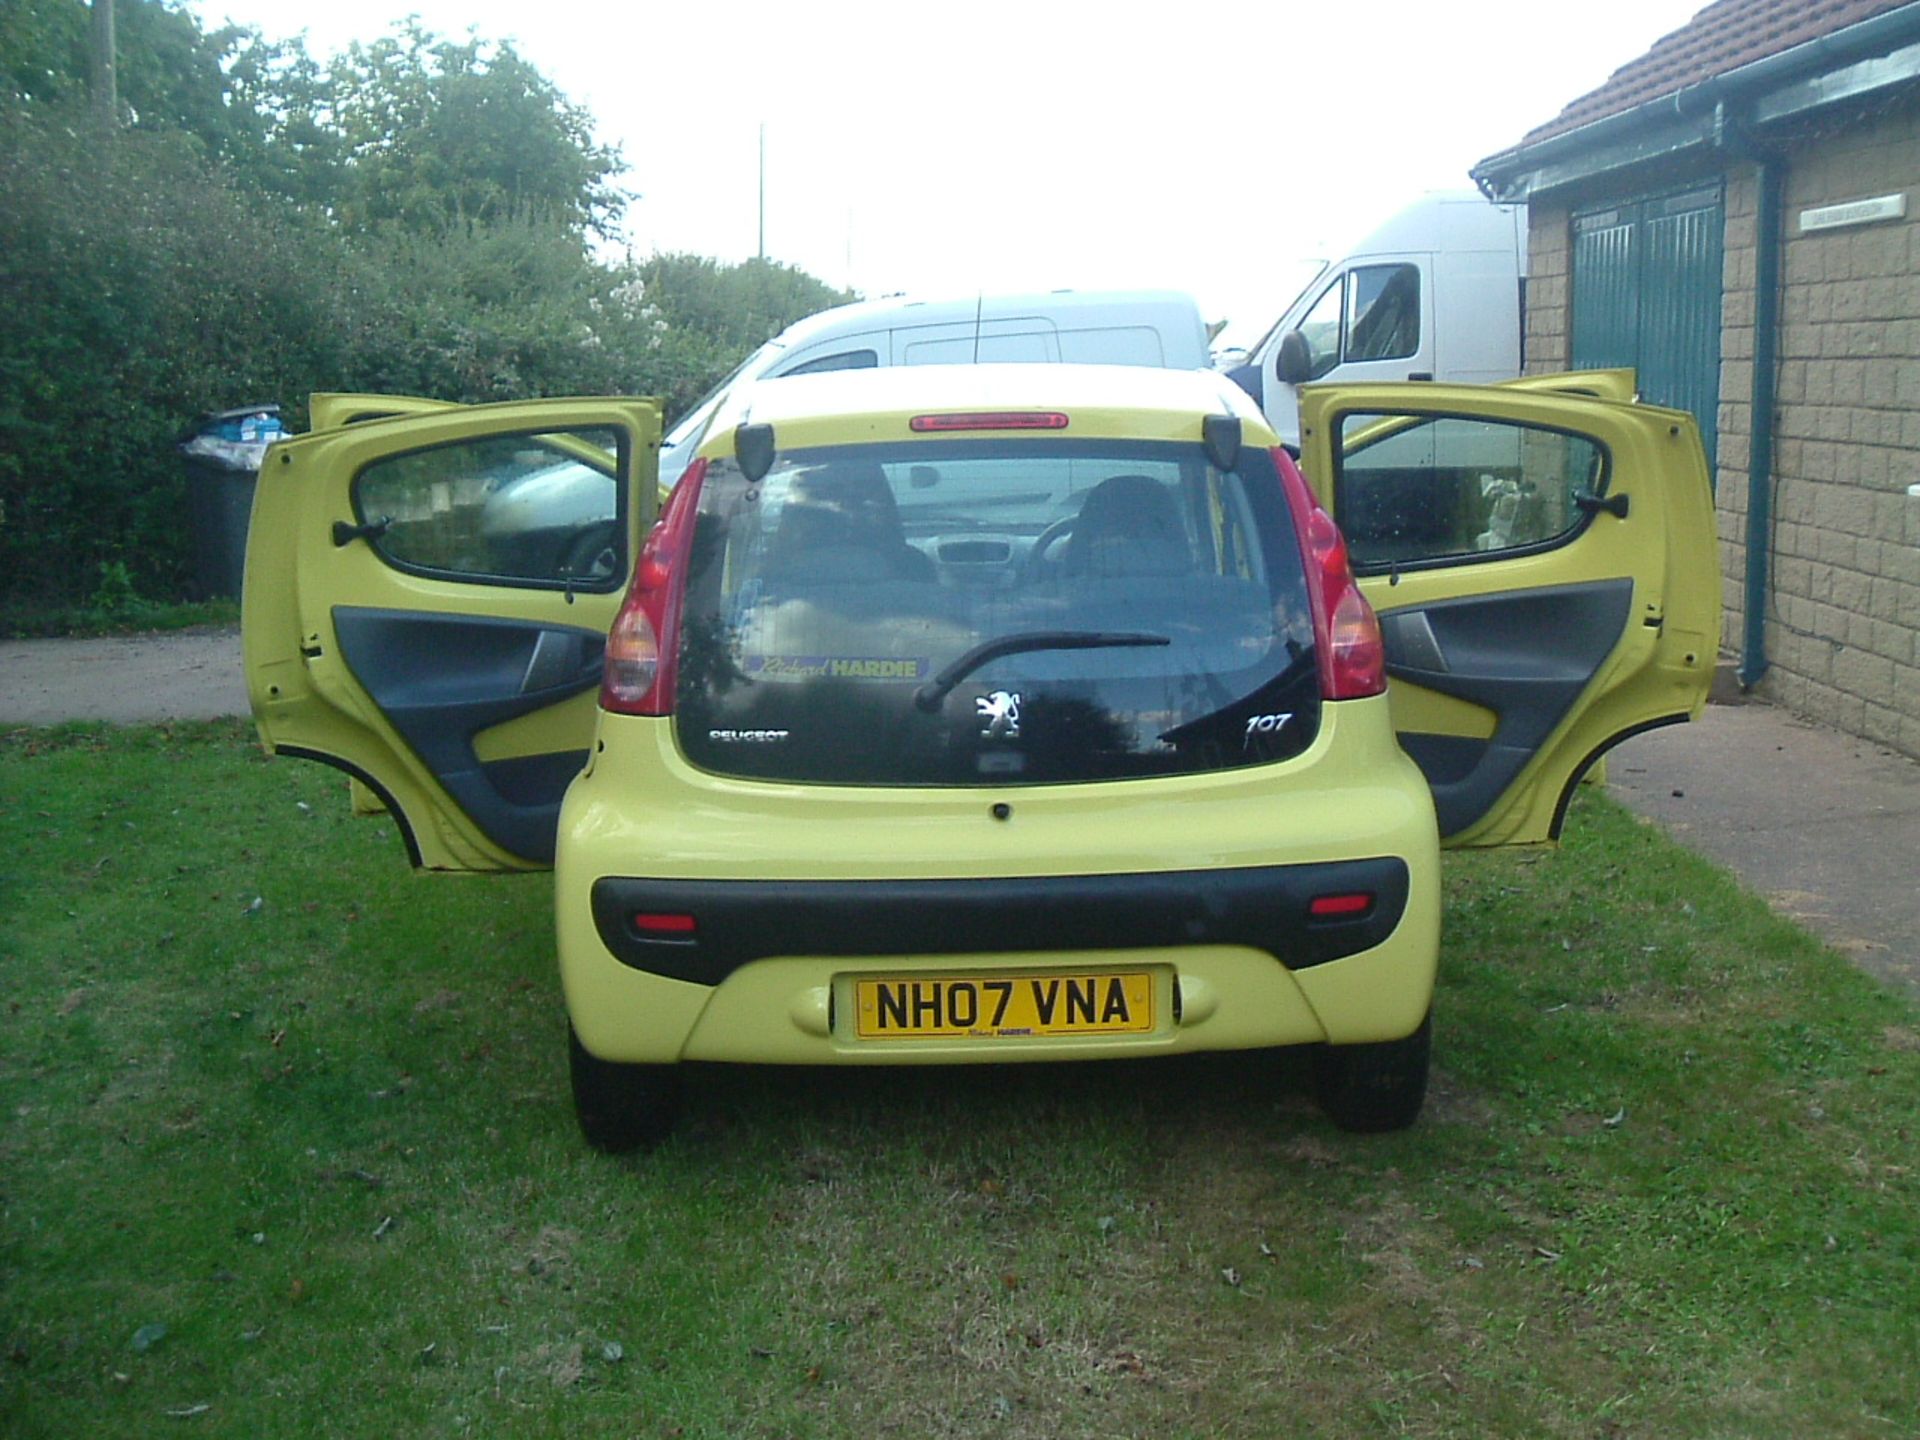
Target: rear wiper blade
(929, 695)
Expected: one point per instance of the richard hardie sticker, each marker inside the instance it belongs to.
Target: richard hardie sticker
(838, 667)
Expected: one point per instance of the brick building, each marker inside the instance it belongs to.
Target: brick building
(1737, 215)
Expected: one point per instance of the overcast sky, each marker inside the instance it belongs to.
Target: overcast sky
(1216, 147)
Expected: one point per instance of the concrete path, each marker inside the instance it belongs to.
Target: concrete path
(128, 679)
(1825, 826)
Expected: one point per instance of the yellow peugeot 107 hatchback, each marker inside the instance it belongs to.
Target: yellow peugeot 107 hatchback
(984, 713)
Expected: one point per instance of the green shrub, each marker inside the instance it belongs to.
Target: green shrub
(138, 288)
(142, 285)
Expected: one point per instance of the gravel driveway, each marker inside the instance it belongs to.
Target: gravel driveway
(128, 679)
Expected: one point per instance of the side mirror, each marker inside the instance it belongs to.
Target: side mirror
(1294, 366)
(753, 448)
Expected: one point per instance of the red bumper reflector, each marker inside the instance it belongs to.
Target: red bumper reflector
(991, 420)
(677, 925)
(1333, 907)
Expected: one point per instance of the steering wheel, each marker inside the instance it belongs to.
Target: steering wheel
(1038, 560)
(591, 554)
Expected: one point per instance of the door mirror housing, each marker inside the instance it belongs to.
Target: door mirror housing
(1294, 364)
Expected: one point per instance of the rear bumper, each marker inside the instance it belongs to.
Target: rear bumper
(1264, 908)
(798, 894)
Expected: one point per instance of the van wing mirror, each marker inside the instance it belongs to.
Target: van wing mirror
(1294, 365)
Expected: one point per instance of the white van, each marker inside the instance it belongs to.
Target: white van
(1160, 328)
(1436, 293)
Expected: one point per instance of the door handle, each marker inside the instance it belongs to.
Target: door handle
(346, 532)
(561, 657)
(1591, 504)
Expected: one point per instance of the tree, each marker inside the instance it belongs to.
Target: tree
(43, 50)
(413, 216)
(438, 133)
(737, 305)
(169, 74)
(100, 79)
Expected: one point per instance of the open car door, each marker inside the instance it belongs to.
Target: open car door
(329, 410)
(426, 603)
(1543, 562)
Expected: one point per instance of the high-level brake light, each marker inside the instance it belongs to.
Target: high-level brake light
(989, 420)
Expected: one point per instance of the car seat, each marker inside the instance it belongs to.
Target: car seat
(841, 523)
(1128, 525)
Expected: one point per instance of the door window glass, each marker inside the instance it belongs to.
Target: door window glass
(1383, 312)
(539, 509)
(1434, 489)
(1322, 330)
(845, 360)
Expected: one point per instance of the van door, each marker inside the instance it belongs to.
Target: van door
(1372, 319)
(1543, 565)
(1019, 340)
(1478, 303)
(426, 603)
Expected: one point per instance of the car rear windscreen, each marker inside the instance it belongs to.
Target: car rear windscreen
(994, 612)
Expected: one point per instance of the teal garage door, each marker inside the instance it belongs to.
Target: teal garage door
(1646, 293)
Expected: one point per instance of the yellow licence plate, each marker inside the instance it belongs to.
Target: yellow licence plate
(932, 1007)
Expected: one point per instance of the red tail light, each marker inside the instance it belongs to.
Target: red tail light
(1346, 634)
(671, 925)
(643, 645)
(1340, 907)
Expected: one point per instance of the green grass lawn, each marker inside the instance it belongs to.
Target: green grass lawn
(285, 1149)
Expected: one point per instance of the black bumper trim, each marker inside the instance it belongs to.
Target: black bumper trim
(740, 921)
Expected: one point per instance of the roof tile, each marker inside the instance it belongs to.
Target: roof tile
(1722, 37)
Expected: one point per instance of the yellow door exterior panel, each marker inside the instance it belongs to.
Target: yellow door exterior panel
(303, 582)
(1628, 563)
(330, 410)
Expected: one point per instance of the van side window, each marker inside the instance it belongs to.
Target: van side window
(845, 360)
(1414, 490)
(1383, 312)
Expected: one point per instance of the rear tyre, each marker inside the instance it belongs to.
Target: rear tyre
(1373, 1088)
(621, 1108)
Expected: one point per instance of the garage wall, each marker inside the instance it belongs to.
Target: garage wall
(1549, 294)
(1843, 620)
(1845, 610)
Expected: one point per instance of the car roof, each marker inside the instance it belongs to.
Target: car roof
(1110, 391)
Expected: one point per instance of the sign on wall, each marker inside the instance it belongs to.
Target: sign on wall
(1854, 212)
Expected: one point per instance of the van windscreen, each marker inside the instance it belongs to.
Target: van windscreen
(994, 612)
